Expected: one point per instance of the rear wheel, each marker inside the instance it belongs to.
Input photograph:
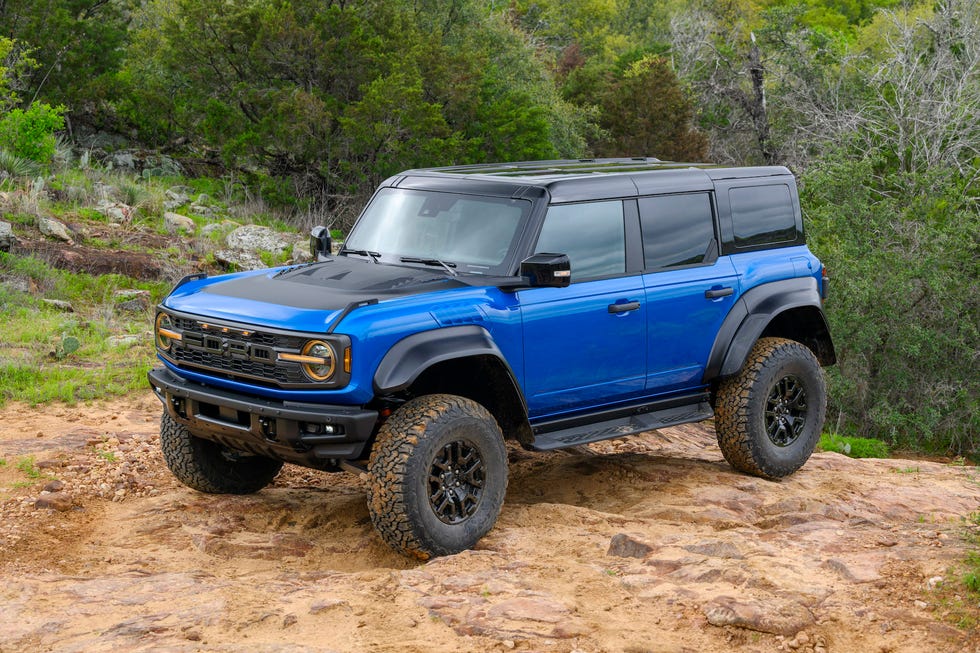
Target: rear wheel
(438, 476)
(768, 417)
(210, 467)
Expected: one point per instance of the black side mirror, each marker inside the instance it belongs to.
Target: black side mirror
(547, 270)
(319, 242)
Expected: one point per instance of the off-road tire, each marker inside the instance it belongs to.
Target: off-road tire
(756, 411)
(409, 476)
(210, 467)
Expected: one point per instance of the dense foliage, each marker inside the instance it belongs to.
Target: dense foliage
(874, 103)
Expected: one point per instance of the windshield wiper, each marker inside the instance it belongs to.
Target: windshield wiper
(431, 261)
(361, 252)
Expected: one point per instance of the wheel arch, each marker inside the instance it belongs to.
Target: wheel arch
(463, 361)
(790, 309)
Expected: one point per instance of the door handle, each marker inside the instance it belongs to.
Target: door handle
(624, 308)
(715, 293)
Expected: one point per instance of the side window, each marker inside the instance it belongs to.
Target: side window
(762, 215)
(592, 234)
(677, 229)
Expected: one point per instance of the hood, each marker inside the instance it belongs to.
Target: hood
(331, 285)
(306, 297)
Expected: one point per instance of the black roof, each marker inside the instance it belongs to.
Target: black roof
(570, 180)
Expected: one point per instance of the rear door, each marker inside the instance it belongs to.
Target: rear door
(688, 287)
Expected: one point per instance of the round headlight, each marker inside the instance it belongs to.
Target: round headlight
(319, 371)
(163, 322)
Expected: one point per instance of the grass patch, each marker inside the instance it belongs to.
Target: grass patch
(853, 446)
(46, 354)
(108, 456)
(29, 467)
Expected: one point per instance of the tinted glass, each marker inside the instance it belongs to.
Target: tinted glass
(591, 234)
(677, 229)
(762, 215)
(468, 230)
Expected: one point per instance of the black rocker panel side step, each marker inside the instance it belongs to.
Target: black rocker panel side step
(622, 426)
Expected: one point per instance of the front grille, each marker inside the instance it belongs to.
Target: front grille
(237, 351)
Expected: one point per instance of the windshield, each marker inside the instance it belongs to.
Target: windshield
(469, 232)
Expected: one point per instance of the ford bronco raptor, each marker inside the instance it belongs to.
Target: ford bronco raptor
(554, 303)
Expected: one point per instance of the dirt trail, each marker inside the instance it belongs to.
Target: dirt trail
(645, 544)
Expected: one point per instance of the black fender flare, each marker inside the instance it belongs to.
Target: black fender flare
(750, 316)
(412, 355)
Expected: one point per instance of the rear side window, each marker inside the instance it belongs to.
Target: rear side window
(677, 230)
(763, 215)
(592, 234)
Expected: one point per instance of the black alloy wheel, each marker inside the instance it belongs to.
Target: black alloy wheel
(786, 411)
(456, 482)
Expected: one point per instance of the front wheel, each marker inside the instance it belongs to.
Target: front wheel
(438, 476)
(210, 467)
(768, 417)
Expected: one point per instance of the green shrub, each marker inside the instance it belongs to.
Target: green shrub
(30, 134)
(901, 249)
(853, 446)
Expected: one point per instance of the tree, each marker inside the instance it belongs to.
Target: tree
(644, 111)
(77, 45)
(902, 250)
(342, 94)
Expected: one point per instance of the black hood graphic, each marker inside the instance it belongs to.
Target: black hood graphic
(331, 285)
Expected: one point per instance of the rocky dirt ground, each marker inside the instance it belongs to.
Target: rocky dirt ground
(650, 544)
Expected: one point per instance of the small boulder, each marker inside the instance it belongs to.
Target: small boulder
(54, 486)
(254, 238)
(124, 160)
(627, 546)
(115, 211)
(239, 259)
(217, 227)
(7, 238)
(60, 304)
(301, 253)
(176, 196)
(54, 229)
(124, 341)
(174, 222)
(54, 501)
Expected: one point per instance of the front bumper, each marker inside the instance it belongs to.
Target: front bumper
(308, 434)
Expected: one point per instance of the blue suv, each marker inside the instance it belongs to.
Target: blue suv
(553, 303)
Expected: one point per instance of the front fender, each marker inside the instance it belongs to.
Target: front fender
(412, 355)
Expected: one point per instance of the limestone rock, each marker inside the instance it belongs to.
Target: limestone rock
(7, 238)
(54, 229)
(115, 211)
(174, 222)
(124, 160)
(124, 341)
(60, 304)
(254, 238)
(224, 225)
(176, 196)
(239, 259)
(301, 253)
